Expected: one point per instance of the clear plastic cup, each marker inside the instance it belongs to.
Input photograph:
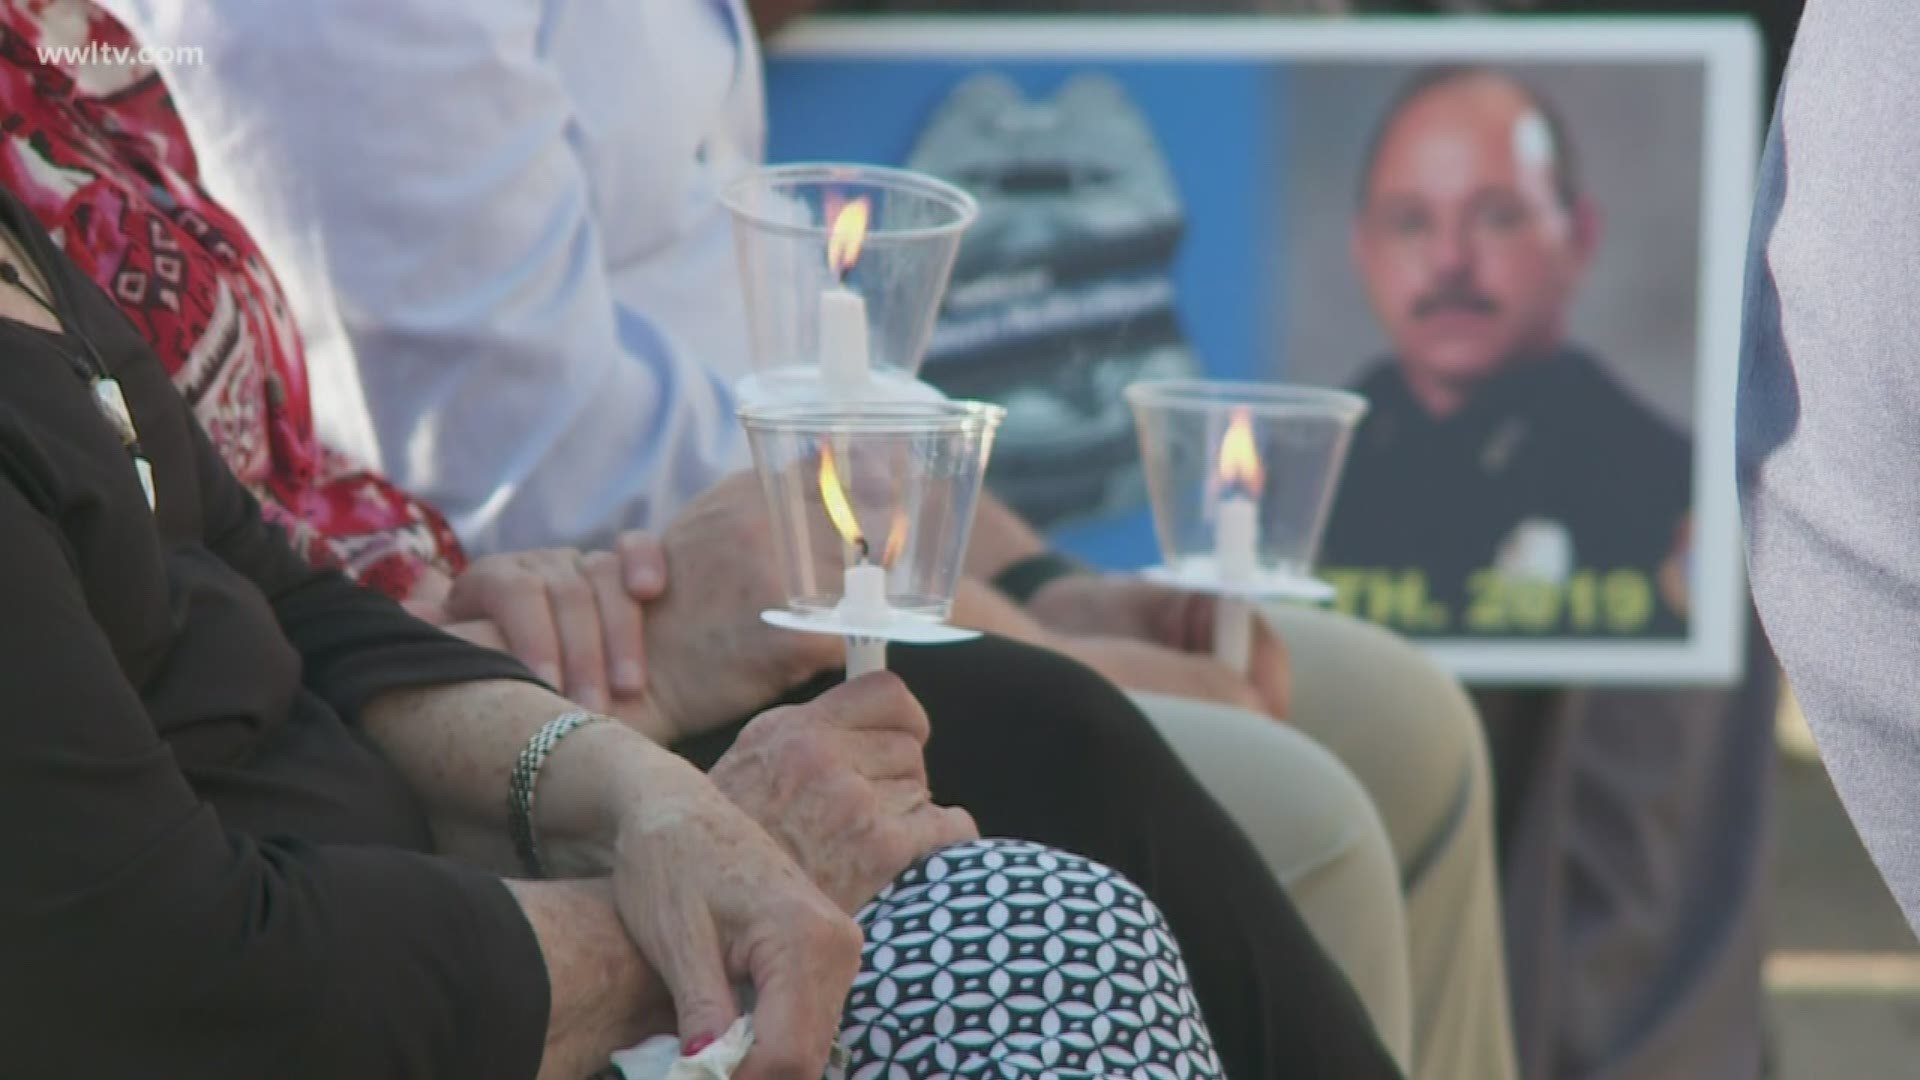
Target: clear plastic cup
(784, 220)
(1241, 476)
(892, 484)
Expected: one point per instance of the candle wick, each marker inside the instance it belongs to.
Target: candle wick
(860, 545)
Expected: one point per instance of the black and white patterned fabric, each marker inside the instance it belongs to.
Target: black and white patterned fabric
(1007, 960)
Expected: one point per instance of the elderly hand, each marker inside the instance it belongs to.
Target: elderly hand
(1089, 606)
(713, 659)
(841, 782)
(713, 903)
(574, 618)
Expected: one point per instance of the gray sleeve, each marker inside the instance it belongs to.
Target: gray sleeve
(1829, 427)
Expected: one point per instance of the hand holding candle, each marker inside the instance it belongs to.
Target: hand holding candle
(916, 465)
(1240, 475)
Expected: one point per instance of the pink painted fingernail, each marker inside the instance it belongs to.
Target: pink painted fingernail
(696, 1044)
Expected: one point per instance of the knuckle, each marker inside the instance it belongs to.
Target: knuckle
(857, 803)
(570, 587)
(829, 931)
(806, 749)
(799, 766)
(601, 562)
(776, 731)
(549, 558)
(835, 807)
(520, 584)
(799, 748)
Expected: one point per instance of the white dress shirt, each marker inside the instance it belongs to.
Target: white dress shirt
(498, 223)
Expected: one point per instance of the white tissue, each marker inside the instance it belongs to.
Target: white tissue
(659, 1057)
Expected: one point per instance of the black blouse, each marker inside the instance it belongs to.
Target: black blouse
(206, 870)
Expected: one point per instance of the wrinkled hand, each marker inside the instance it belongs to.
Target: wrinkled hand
(713, 903)
(713, 659)
(1099, 606)
(575, 618)
(841, 782)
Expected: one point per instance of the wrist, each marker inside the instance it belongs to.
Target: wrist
(1089, 652)
(603, 993)
(615, 768)
(1026, 578)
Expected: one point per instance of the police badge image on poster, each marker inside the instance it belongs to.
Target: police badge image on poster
(1521, 241)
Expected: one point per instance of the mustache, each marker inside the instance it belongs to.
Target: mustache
(1457, 297)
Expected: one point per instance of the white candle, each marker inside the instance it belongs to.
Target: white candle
(844, 355)
(864, 595)
(863, 599)
(1236, 543)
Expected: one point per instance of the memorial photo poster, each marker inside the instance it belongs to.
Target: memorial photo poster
(1521, 240)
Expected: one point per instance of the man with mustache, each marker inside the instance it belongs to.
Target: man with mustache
(1499, 453)
(1497, 450)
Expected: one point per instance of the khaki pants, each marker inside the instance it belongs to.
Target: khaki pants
(1372, 806)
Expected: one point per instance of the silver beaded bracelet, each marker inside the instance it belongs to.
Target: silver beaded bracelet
(526, 774)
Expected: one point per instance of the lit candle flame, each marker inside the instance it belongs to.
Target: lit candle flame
(1240, 456)
(839, 510)
(896, 539)
(847, 234)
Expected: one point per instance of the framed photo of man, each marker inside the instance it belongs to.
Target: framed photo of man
(1520, 240)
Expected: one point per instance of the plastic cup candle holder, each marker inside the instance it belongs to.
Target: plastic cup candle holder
(871, 504)
(844, 268)
(1241, 476)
